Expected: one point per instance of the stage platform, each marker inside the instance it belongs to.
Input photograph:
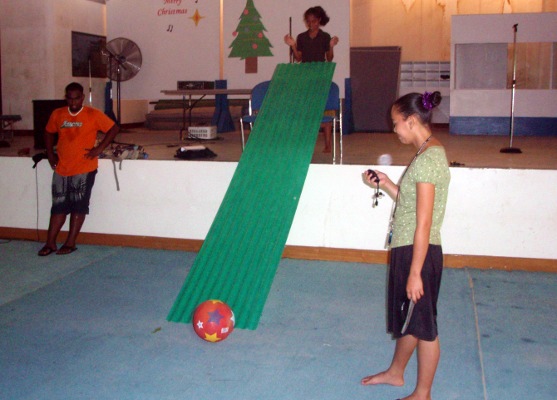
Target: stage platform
(538, 152)
(500, 212)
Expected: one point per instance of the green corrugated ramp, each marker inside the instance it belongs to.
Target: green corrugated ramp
(240, 255)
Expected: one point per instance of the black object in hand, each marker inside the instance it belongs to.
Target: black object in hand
(373, 175)
(38, 157)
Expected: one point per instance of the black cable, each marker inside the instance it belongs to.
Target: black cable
(37, 201)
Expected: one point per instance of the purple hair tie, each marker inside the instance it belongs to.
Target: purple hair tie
(426, 100)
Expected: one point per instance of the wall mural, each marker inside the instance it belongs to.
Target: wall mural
(250, 41)
(175, 7)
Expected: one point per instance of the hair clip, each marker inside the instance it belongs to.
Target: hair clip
(426, 101)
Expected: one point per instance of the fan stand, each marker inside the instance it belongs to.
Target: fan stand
(118, 98)
(120, 65)
(124, 61)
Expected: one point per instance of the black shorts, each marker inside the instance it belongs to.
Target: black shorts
(423, 324)
(71, 194)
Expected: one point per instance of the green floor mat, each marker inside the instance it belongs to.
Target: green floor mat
(240, 255)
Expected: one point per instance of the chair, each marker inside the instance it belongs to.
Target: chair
(334, 104)
(256, 100)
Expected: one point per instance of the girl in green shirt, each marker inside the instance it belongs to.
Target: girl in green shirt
(416, 262)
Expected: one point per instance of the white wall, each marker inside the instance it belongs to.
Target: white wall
(190, 52)
(36, 46)
(491, 212)
(532, 27)
(276, 17)
(37, 51)
(172, 46)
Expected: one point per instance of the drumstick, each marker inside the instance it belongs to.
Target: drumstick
(291, 53)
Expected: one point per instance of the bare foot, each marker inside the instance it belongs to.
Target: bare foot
(413, 396)
(383, 378)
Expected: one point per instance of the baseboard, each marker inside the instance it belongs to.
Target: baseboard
(297, 252)
(523, 126)
(450, 260)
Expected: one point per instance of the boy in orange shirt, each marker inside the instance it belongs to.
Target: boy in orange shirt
(75, 164)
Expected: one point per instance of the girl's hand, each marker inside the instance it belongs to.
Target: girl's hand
(334, 41)
(384, 182)
(415, 288)
(372, 179)
(289, 40)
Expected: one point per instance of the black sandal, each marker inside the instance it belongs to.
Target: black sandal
(66, 250)
(45, 251)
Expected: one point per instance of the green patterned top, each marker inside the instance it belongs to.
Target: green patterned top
(432, 167)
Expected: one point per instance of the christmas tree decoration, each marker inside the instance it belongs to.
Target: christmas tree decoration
(250, 41)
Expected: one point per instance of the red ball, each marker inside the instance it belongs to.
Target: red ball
(213, 320)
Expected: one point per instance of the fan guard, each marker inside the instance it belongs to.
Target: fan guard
(124, 62)
(124, 59)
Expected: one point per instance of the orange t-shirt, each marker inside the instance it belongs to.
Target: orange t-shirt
(76, 136)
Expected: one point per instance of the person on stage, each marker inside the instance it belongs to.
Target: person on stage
(75, 164)
(416, 261)
(315, 45)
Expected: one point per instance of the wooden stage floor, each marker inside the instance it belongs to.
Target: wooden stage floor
(471, 151)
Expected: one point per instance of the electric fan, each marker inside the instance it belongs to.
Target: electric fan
(124, 62)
